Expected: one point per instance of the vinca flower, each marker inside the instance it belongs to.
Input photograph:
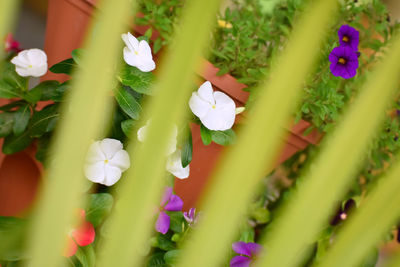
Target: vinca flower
(348, 37)
(138, 53)
(247, 253)
(169, 202)
(344, 62)
(142, 132)
(191, 216)
(215, 110)
(83, 234)
(31, 62)
(174, 165)
(105, 161)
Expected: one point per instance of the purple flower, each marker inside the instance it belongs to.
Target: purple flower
(247, 253)
(191, 217)
(344, 62)
(169, 202)
(348, 37)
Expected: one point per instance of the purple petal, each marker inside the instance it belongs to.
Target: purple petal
(187, 217)
(254, 248)
(162, 224)
(166, 196)
(240, 261)
(175, 203)
(192, 212)
(241, 248)
(352, 34)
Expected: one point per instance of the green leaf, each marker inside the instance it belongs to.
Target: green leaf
(86, 256)
(12, 232)
(42, 145)
(44, 121)
(8, 91)
(223, 138)
(206, 136)
(99, 205)
(156, 260)
(6, 123)
(247, 234)
(187, 150)
(21, 119)
(127, 126)
(128, 103)
(261, 215)
(176, 221)
(164, 243)
(32, 96)
(137, 80)
(64, 66)
(47, 90)
(13, 144)
(172, 256)
(12, 105)
(77, 55)
(11, 84)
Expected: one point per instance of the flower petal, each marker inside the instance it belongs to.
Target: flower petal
(162, 224)
(84, 235)
(95, 153)
(174, 165)
(110, 147)
(240, 261)
(112, 175)
(70, 248)
(199, 106)
(130, 41)
(205, 92)
(175, 203)
(166, 196)
(121, 160)
(241, 248)
(95, 172)
(254, 248)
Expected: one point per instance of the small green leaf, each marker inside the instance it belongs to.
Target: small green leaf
(137, 80)
(86, 256)
(99, 205)
(9, 91)
(32, 96)
(261, 215)
(13, 144)
(156, 260)
(224, 138)
(44, 121)
(21, 119)
(64, 66)
(6, 123)
(187, 150)
(206, 136)
(77, 55)
(176, 221)
(128, 103)
(164, 243)
(172, 256)
(128, 126)
(46, 90)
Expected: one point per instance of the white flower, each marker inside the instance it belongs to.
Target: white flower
(138, 54)
(216, 110)
(31, 62)
(142, 132)
(105, 162)
(174, 165)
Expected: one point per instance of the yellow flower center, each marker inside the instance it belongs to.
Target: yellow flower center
(30, 66)
(213, 106)
(136, 52)
(345, 39)
(106, 161)
(342, 61)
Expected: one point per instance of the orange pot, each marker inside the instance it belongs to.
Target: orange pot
(66, 26)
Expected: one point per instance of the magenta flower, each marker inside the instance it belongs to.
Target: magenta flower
(247, 253)
(169, 202)
(344, 62)
(191, 217)
(348, 37)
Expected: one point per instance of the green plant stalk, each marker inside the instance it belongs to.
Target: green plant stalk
(139, 191)
(369, 224)
(326, 181)
(84, 115)
(257, 146)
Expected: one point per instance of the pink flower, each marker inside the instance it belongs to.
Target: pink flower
(11, 44)
(83, 234)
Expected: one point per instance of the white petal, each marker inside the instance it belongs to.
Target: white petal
(146, 65)
(32, 62)
(24, 72)
(39, 71)
(142, 132)
(144, 49)
(131, 58)
(174, 166)
(199, 106)
(110, 147)
(130, 41)
(95, 172)
(37, 57)
(95, 154)
(239, 110)
(219, 119)
(113, 174)
(206, 92)
(121, 160)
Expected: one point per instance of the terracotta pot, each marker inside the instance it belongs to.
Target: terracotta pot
(19, 180)
(66, 26)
